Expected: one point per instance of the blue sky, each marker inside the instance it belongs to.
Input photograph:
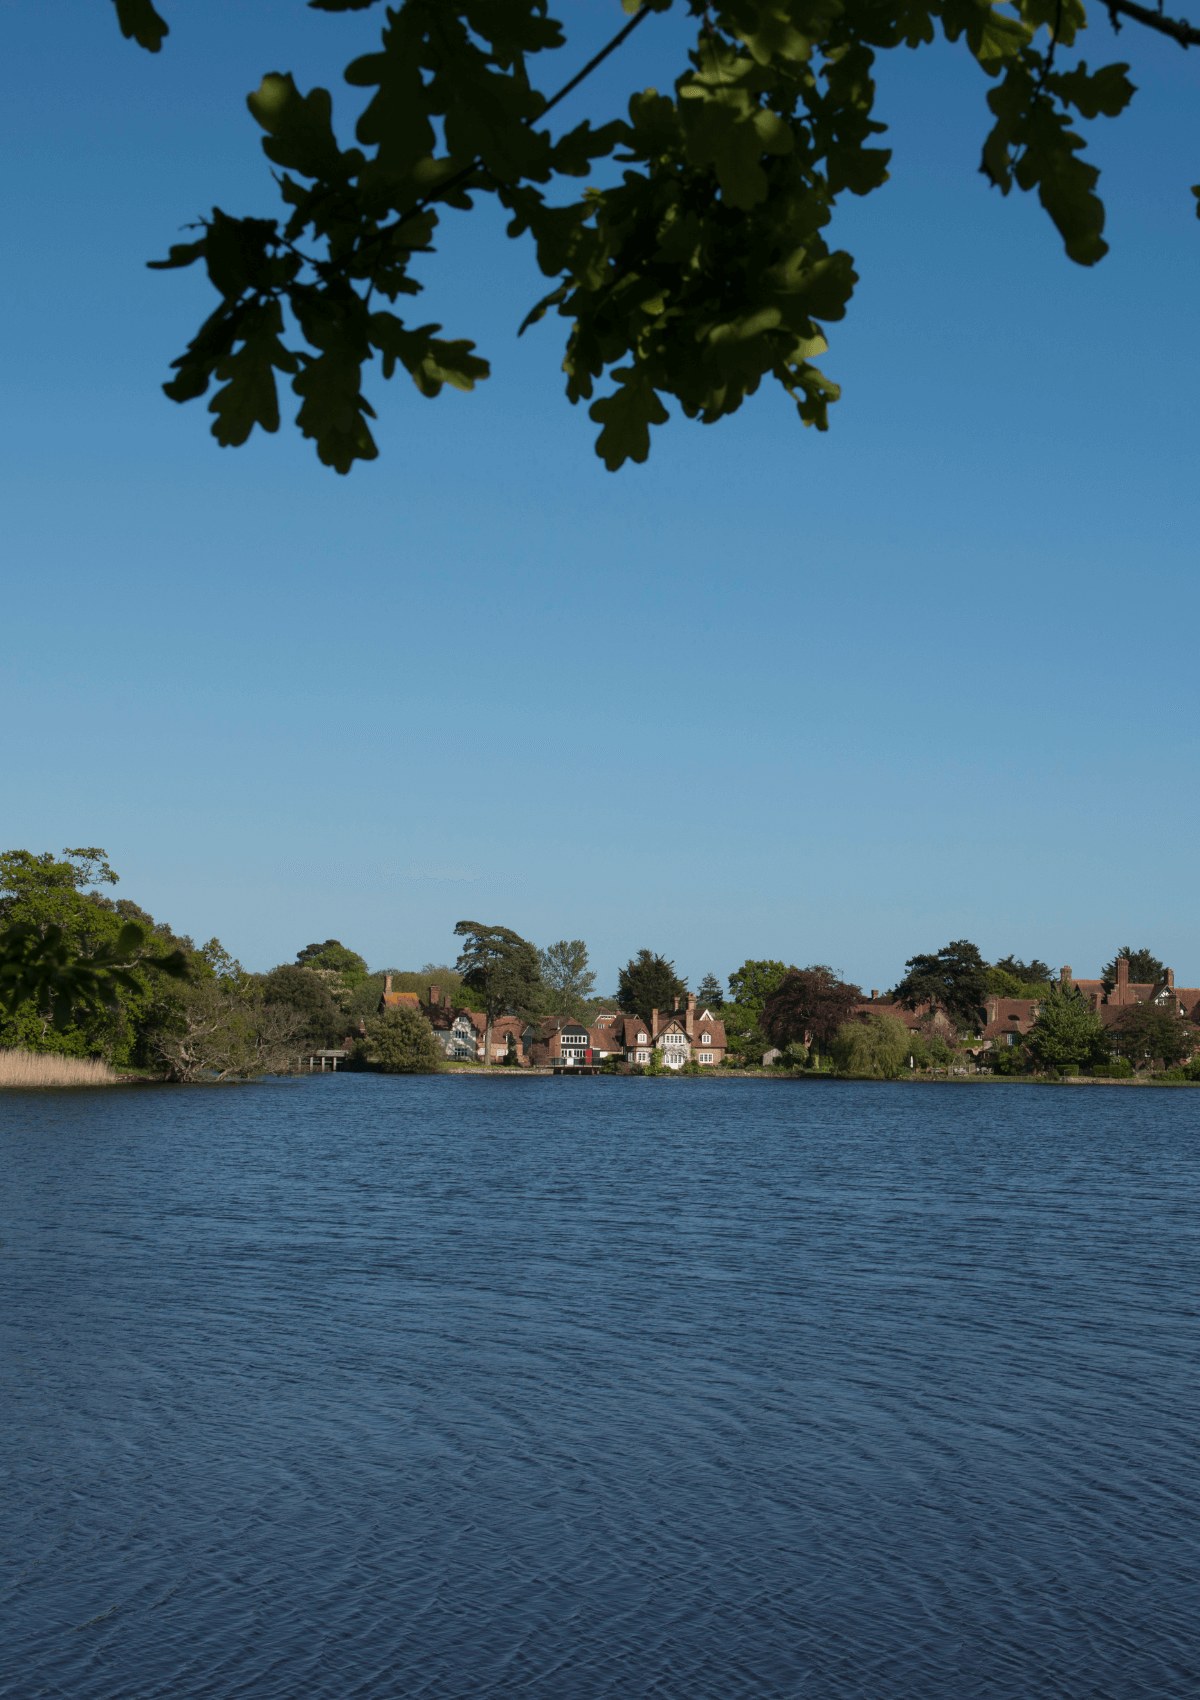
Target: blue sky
(826, 698)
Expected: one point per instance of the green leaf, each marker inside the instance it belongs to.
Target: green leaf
(138, 19)
(299, 127)
(627, 416)
(431, 362)
(780, 29)
(1106, 91)
(725, 124)
(236, 253)
(334, 411)
(180, 254)
(991, 36)
(249, 397)
(398, 119)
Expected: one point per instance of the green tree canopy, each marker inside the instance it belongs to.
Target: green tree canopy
(648, 982)
(337, 958)
(70, 959)
(956, 977)
(1144, 1032)
(504, 968)
(752, 984)
(1032, 973)
(221, 1027)
(743, 1036)
(809, 1001)
(319, 1020)
(570, 984)
(401, 1041)
(1067, 1030)
(1144, 969)
(700, 268)
(1002, 984)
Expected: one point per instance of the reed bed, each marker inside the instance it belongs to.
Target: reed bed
(33, 1068)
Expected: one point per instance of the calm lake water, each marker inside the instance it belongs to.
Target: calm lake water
(350, 1388)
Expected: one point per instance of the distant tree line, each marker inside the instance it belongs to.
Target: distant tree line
(83, 973)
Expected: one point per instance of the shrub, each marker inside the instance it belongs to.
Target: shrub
(401, 1041)
(1101, 1071)
(1069, 1068)
(1008, 1059)
(1120, 1068)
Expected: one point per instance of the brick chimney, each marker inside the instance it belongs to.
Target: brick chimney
(874, 995)
(1122, 979)
(653, 1023)
(1171, 978)
(387, 984)
(676, 1003)
(1064, 976)
(435, 996)
(690, 1023)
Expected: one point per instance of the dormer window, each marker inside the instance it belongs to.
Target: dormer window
(641, 1038)
(706, 1038)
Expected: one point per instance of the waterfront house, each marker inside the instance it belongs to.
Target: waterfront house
(681, 1035)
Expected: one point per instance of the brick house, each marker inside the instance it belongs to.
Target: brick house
(462, 1032)
(572, 1044)
(682, 1035)
(1008, 1020)
(1109, 1005)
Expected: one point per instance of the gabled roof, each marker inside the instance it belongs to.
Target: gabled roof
(400, 1000)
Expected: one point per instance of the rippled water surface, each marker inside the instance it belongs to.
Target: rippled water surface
(362, 1387)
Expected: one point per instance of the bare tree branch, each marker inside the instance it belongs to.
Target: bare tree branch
(1187, 35)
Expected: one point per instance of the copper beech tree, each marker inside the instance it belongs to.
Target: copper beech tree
(808, 1007)
(700, 267)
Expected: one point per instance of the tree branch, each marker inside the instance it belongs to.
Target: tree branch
(1187, 35)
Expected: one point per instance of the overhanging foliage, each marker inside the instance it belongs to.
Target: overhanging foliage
(702, 271)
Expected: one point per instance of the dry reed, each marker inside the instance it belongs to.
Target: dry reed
(33, 1068)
